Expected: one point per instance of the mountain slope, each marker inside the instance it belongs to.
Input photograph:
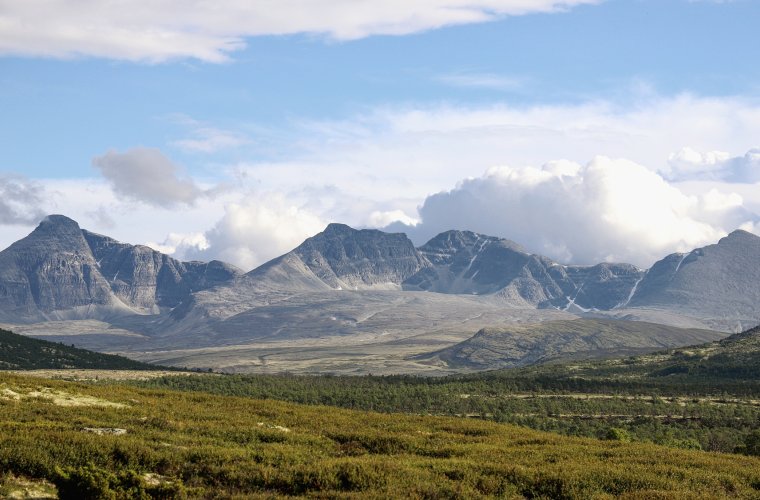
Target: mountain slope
(464, 262)
(522, 345)
(719, 281)
(338, 258)
(454, 263)
(147, 279)
(18, 352)
(346, 258)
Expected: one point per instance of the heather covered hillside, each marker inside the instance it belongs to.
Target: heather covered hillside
(123, 441)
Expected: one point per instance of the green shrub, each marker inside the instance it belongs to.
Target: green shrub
(84, 483)
(93, 483)
(617, 434)
(752, 444)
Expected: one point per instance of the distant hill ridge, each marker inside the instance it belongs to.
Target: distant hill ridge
(18, 352)
(734, 359)
(524, 345)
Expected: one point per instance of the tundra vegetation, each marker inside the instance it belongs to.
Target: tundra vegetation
(678, 424)
(177, 444)
(703, 397)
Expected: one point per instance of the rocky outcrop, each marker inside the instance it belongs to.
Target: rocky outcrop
(468, 263)
(603, 286)
(60, 271)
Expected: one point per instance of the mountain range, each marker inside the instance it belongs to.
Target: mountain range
(350, 300)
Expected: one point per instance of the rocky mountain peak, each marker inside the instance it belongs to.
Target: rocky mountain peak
(335, 228)
(62, 271)
(51, 270)
(57, 222)
(344, 257)
(147, 279)
(740, 237)
(719, 280)
(56, 232)
(455, 244)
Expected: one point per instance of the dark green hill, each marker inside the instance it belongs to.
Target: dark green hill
(734, 358)
(730, 365)
(18, 352)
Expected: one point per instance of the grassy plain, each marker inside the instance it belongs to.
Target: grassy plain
(705, 396)
(191, 444)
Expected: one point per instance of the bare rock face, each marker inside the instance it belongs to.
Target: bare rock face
(60, 271)
(146, 279)
(51, 269)
(468, 263)
(347, 258)
(603, 286)
(717, 281)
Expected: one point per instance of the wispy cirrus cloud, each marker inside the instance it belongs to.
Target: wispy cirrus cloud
(211, 140)
(161, 30)
(202, 137)
(488, 81)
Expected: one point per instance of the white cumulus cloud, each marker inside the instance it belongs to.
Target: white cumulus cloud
(605, 210)
(160, 30)
(408, 152)
(688, 164)
(256, 230)
(383, 218)
(179, 244)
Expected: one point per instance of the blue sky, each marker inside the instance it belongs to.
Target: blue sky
(335, 119)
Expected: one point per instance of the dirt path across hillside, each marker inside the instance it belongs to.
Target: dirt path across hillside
(82, 375)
